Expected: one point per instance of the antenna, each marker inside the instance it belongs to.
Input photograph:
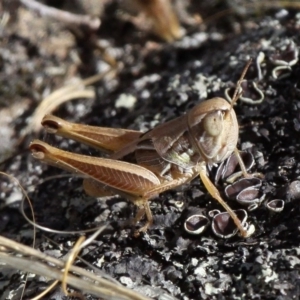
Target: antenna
(238, 92)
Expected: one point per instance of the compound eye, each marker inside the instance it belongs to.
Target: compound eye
(213, 123)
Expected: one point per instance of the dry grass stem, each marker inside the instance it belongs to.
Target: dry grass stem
(93, 23)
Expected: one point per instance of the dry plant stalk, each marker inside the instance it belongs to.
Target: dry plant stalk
(160, 17)
(30, 260)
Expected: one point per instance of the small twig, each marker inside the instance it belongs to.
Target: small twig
(92, 23)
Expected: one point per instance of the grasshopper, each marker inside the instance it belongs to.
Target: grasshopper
(140, 166)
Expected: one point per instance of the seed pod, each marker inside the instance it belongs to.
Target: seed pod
(233, 190)
(229, 170)
(276, 205)
(249, 196)
(224, 227)
(213, 212)
(195, 222)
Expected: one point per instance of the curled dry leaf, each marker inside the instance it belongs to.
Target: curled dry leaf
(259, 62)
(287, 56)
(252, 94)
(281, 72)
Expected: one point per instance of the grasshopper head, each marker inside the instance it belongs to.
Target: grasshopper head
(213, 127)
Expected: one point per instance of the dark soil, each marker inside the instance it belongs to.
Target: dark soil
(165, 80)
